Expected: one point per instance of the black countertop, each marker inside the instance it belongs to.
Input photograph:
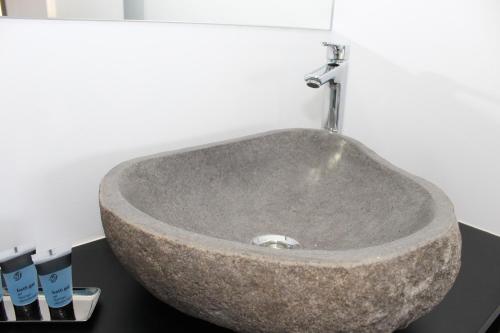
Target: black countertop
(127, 307)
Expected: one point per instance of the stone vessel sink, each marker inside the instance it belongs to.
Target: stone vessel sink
(378, 246)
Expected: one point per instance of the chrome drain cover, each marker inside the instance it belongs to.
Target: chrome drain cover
(276, 242)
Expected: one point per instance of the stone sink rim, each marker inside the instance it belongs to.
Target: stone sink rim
(440, 225)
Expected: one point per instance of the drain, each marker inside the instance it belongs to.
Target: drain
(276, 242)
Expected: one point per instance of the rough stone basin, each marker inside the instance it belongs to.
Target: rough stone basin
(378, 246)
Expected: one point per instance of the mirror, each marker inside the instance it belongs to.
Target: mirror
(316, 14)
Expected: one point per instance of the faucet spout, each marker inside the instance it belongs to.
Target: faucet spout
(324, 74)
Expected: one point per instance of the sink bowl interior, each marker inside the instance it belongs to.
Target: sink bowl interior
(318, 188)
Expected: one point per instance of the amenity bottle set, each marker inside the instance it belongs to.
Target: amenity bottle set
(21, 269)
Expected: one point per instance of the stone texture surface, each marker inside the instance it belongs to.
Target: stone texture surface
(380, 247)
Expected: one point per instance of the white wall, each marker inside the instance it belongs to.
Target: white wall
(424, 92)
(76, 98)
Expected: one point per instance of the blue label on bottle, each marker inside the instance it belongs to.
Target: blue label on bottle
(22, 285)
(58, 287)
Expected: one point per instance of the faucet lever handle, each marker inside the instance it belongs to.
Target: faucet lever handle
(336, 52)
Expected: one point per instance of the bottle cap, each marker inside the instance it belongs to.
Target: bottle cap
(46, 255)
(16, 251)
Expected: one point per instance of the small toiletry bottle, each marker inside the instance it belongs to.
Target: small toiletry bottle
(20, 277)
(3, 314)
(54, 271)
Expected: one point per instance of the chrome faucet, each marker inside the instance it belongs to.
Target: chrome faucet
(333, 73)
